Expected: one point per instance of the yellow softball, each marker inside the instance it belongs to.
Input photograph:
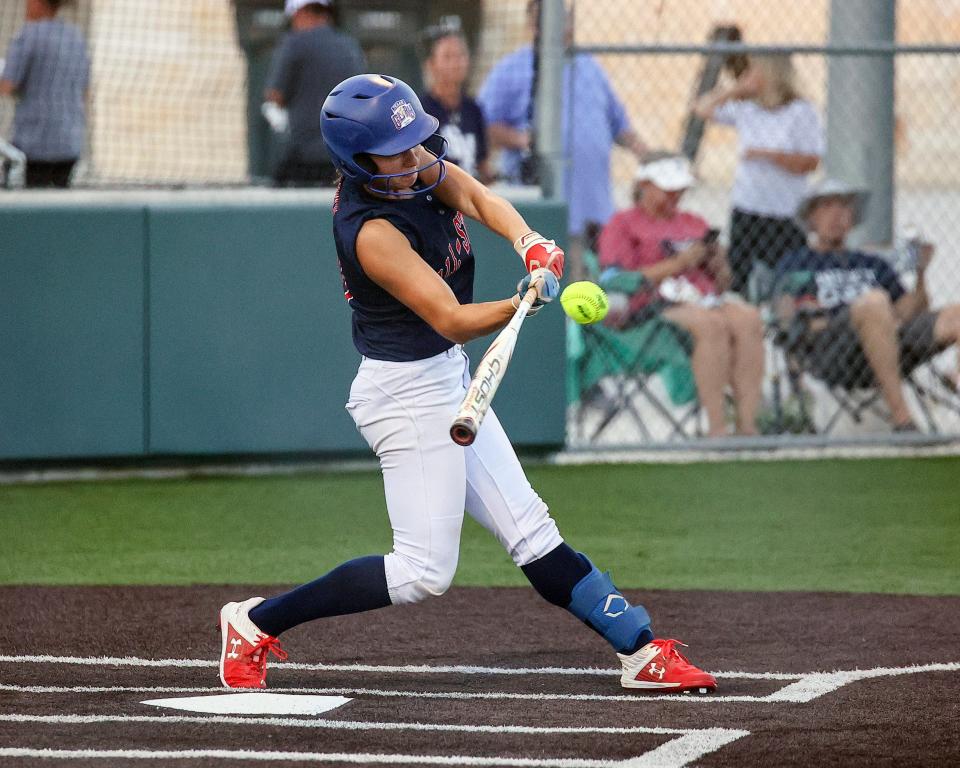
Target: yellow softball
(585, 302)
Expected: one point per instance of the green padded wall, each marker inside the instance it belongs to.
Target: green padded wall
(249, 332)
(71, 344)
(163, 328)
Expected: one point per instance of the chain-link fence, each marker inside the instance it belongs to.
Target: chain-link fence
(769, 325)
(787, 323)
(176, 88)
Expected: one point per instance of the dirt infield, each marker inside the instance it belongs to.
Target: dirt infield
(486, 677)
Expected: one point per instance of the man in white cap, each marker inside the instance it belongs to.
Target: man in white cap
(310, 60)
(846, 312)
(685, 273)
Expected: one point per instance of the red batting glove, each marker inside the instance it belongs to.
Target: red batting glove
(536, 251)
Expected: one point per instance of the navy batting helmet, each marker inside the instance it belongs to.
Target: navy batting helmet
(377, 115)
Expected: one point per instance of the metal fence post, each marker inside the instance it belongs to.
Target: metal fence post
(860, 109)
(549, 98)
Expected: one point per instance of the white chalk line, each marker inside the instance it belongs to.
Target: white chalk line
(382, 693)
(688, 748)
(234, 755)
(133, 661)
(803, 687)
(817, 684)
(341, 725)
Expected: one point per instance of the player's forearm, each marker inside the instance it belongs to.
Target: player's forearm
(466, 322)
(498, 214)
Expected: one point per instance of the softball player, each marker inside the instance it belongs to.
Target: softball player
(407, 266)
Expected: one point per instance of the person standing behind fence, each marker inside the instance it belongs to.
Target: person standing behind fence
(593, 120)
(311, 59)
(447, 65)
(48, 71)
(781, 142)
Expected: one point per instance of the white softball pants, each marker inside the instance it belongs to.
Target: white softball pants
(404, 411)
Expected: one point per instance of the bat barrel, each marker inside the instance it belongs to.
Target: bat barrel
(463, 431)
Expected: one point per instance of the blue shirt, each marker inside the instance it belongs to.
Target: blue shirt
(464, 129)
(48, 65)
(834, 279)
(383, 327)
(592, 118)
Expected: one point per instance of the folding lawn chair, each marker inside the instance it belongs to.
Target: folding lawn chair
(858, 396)
(611, 370)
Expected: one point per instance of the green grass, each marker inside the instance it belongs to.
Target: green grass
(879, 526)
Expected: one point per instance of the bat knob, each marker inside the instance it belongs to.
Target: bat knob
(464, 431)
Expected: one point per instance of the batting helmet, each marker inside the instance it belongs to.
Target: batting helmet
(377, 115)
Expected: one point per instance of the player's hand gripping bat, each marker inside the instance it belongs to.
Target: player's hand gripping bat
(489, 374)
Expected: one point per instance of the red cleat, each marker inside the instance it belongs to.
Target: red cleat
(244, 649)
(659, 666)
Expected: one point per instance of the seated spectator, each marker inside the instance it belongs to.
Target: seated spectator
(846, 313)
(686, 273)
(447, 66)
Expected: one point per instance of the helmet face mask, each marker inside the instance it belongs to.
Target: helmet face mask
(377, 115)
(384, 188)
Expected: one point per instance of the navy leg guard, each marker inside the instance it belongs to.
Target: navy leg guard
(596, 601)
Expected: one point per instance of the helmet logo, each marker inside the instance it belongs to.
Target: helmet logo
(402, 114)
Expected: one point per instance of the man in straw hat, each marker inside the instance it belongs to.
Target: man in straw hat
(849, 316)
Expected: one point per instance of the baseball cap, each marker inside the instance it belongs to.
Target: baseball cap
(668, 173)
(292, 6)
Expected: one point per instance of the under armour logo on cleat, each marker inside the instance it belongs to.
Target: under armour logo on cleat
(236, 643)
(658, 671)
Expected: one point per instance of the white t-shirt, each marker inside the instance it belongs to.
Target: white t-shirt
(760, 187)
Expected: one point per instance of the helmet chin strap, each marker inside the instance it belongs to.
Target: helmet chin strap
(371, 182)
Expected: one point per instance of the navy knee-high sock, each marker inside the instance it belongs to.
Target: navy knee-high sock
(556, 574)
(357, 585)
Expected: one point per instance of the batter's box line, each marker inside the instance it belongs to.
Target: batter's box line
(686, 746)
(803, 687)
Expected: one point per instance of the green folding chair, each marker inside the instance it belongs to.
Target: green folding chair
(629, 358)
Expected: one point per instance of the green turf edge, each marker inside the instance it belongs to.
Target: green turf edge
(879, 525)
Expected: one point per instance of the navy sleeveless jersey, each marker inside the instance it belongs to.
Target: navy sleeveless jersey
(384, 328)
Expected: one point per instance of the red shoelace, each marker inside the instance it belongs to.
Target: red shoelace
(668, 647)
(266, 645)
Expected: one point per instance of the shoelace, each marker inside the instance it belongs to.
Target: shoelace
(669, 650)
(266, 645)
